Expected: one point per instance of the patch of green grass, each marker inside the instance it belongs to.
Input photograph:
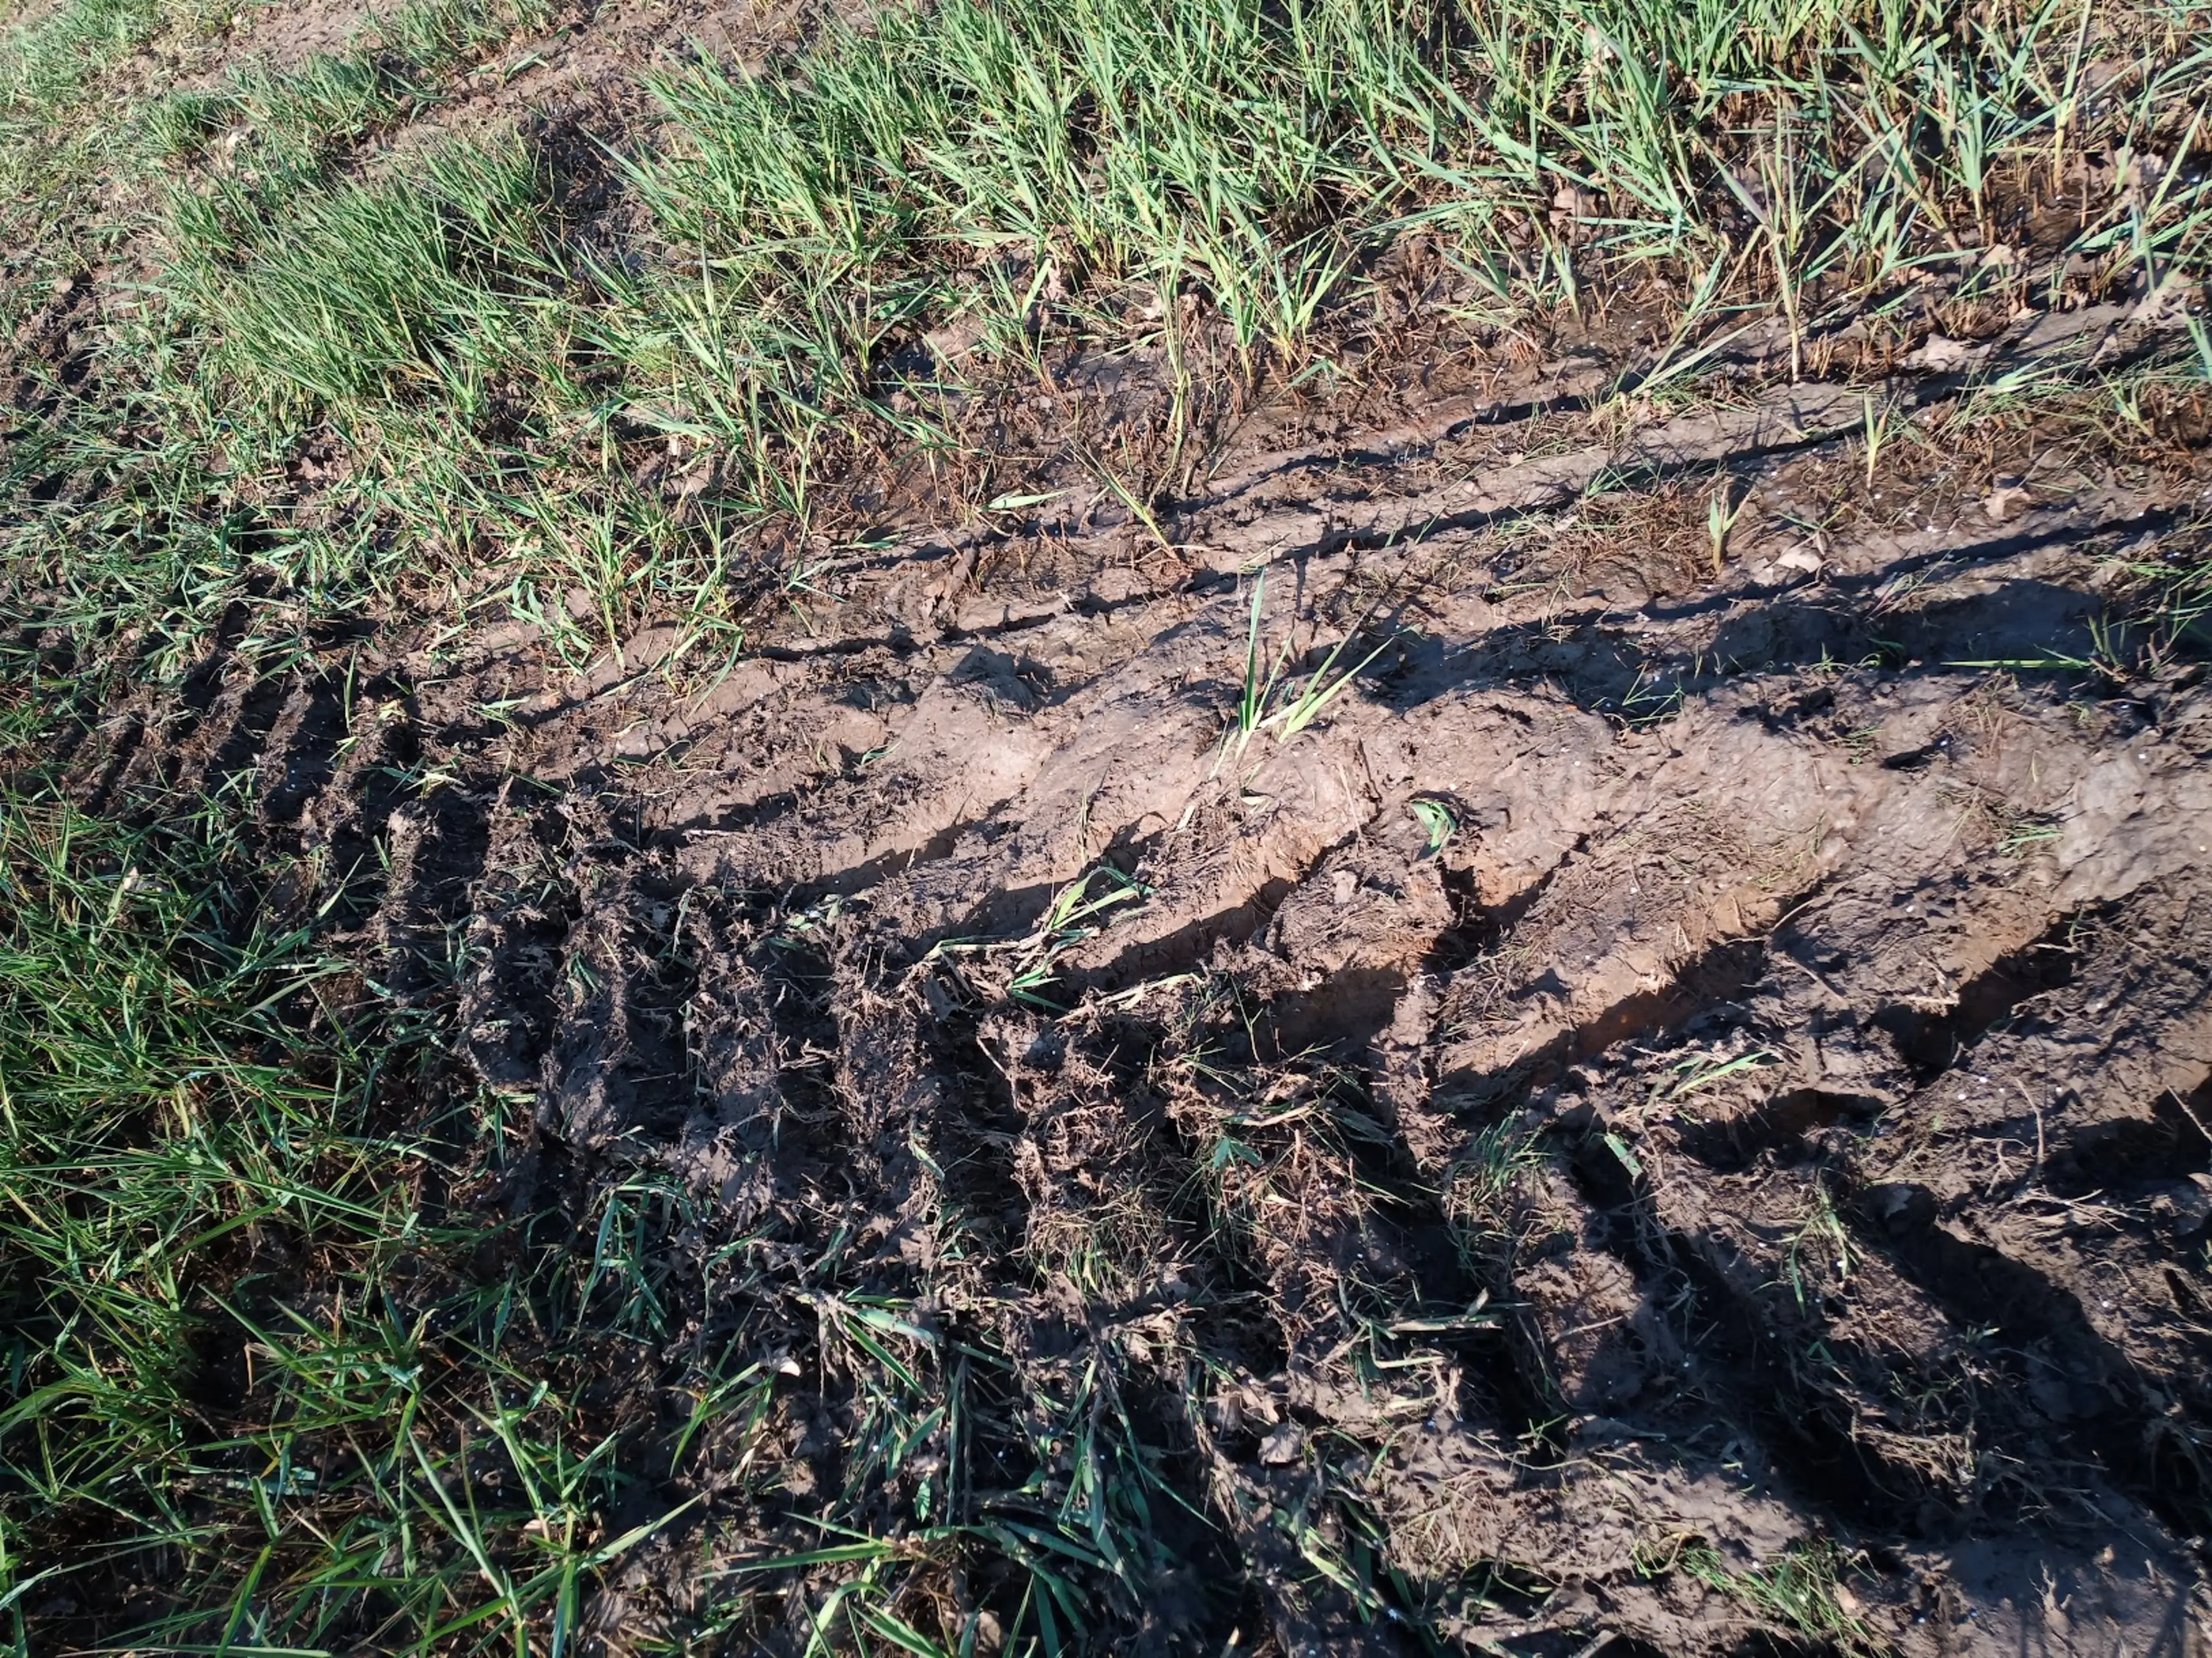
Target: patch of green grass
(145, 545)
(1800, 1591)
(1262, 155)
(288, 124)
(56, 144)
(433, 37)
(1244, 166)
(169, 1125)
(136, 507)
(1114, 137)
(374, 293)
(291, 122)
(47, 62)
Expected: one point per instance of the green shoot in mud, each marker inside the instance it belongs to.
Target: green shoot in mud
(1439, 822)
(1721, 511)
(1068, 922)
(1132, 503)
(1877, 425)
(1253, 697)
(1703, 1070)
(1799, 1593)
(1295, 710)
(1478, 1189)
(1076, 912)
(1821, 1250)
(1321, 687)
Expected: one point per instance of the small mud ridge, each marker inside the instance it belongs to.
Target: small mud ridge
(1422, 1049)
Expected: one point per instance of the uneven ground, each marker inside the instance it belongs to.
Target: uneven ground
(1531, 1003)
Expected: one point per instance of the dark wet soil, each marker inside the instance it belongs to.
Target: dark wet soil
(1668, 1064)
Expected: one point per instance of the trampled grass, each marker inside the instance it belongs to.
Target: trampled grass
(254, 1377)
(274, 1382)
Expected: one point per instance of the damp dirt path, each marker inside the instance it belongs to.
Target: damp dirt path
(1636, 1085)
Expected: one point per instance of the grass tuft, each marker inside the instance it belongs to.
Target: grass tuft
(381, 292)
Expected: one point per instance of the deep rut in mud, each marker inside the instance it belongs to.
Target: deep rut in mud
(1638, 1082)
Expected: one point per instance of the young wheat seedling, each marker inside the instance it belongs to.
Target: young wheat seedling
(1320, 690)
(1876, 421)
(1252, 702)
(1721, 514)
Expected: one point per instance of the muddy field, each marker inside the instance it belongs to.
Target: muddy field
(1655, 1102)
(1513, 959)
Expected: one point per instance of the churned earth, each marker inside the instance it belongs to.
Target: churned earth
(1534, 1004)
(1629, 1105)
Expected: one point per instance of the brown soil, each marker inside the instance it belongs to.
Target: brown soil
(1505, 1251)
(282, 34)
